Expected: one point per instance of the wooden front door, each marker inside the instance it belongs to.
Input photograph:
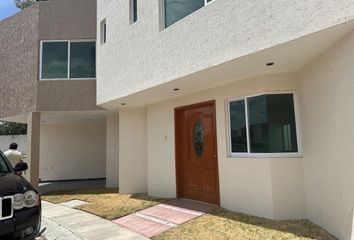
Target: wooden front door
(196, 152)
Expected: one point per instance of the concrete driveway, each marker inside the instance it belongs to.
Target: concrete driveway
(65, 223)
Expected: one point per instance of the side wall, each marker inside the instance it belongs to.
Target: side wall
(132, 151)
(327, 100)
(271, 188)
(112, 150)
(19, 62)
(72, 151)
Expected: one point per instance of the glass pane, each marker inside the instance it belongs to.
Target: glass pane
(176, 10)
(55, 60)
(272, 124)
(83, 60)
(198, 138)
(135, 10)
(238, 126)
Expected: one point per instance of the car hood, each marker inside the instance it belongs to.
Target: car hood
(11, 183)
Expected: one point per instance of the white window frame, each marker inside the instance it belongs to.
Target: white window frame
(69, 56)
(163, 13)
(248, 154)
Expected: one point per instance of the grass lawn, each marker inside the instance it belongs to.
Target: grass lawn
(106, 203)
(218, 224)
(223, 224)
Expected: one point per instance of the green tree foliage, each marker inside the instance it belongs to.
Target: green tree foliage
(10, 128)
(22, 4)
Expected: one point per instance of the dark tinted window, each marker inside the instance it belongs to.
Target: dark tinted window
(238, 126)
(272, 126)
(176, 10)
(82, 60)
(54, 60)
(134, 10)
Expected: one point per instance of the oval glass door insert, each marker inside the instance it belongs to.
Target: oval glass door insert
(198, 138)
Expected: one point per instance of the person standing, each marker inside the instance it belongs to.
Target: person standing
(13, 155)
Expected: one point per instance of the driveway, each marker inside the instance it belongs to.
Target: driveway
(65, 223)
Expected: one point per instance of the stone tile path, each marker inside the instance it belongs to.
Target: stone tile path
(155, 220)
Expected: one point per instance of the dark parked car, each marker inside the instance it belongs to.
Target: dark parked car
(20, 204)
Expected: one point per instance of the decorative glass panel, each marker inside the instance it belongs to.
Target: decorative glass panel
(238, 126)
(272, 124)
(83, 60)
(198, 138)
(176, 10)
(55, 60)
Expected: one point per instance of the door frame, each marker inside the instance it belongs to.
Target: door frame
(178, 146)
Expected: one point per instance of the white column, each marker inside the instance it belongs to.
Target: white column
(132, 151)
(33, 141)
(112, 153)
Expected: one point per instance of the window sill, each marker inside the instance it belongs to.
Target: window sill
(265, 155)
(67, 79)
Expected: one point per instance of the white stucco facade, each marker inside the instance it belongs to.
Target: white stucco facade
(218, 53)
(145, 56)
(258, 186)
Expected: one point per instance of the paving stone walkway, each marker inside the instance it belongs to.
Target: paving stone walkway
(64, 223)
(162, 217)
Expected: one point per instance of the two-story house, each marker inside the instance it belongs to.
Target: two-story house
(246, 104)
(48, 80)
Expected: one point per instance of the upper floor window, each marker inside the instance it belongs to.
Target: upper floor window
(62, 60)
(103, 30)
(176, 10)
(263, 125)
(133, 11)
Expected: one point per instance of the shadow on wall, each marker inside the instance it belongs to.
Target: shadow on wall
(351, 225)
(59, 186)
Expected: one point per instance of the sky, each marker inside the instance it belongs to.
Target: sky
(7, 8)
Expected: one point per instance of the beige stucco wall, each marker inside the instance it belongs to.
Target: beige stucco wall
(72, 151)
(18, 62)
(267, 187)
(67, 19)
(132, 151)
(112, 150)
(67, 95)
(326, 93)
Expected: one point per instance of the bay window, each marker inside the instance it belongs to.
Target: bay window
(263, 125)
